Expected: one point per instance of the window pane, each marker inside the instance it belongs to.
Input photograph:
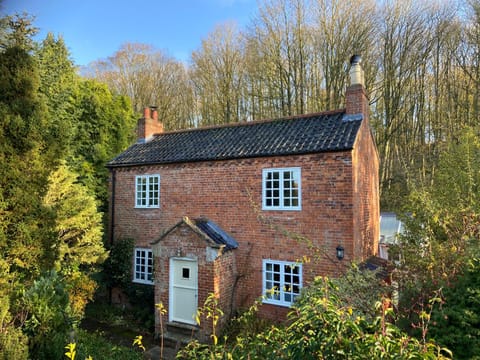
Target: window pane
(284, 279)
(143, 265)
(281, 189)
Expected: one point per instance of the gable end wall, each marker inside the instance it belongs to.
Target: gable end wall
(366, 194)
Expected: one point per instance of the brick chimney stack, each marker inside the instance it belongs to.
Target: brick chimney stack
(356, 100)
(148, 125)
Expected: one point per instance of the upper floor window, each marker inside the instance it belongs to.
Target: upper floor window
(282, 282)
(281, 189)
(147, 191)
(143, 266)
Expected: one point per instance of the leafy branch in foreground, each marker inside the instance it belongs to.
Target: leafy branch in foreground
(321, 326)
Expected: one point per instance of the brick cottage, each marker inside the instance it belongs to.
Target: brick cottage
(238, 210)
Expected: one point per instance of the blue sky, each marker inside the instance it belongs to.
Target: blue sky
(95, 29)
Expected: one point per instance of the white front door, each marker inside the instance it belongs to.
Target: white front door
(183, 290)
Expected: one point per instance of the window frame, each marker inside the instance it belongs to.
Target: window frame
(147, 254)
(266, 291)
(296, 176)
(146, 194)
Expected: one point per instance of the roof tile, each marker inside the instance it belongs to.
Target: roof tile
(313, 133)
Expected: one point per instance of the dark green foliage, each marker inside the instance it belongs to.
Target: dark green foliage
(456, 324)
(442, 234)
(58, 87)
(118, 267)
(104, 127)
(117, 271)
(50, 318)
(96, 346)
(142, 299)
(23, 115)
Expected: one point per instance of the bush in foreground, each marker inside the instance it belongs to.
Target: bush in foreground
(320, 327)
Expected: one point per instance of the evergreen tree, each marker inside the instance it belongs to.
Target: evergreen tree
(104, 128)
(25, 233)
(58, 86)
(73, 207)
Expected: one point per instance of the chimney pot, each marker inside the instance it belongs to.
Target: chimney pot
(149, 124)
(356, 101)
(146, 113)
(355, 59)
(154, 112)
(356, 71)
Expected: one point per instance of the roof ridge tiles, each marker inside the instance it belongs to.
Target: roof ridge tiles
(255, 122)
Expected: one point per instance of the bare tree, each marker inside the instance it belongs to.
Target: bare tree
(342, 30)
(149, 77)
(217, 73)
(279, 48)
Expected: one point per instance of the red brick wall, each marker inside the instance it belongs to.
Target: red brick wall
(215, 276)
(149, 124)
(229, 193)
(225, 274)
(366, 194)
(356, 101)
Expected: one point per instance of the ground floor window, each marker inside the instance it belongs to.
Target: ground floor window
(282, 281)
(143, 266)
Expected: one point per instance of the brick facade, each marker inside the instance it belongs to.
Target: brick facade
(216, 271)
(339, 206)
(230, 193)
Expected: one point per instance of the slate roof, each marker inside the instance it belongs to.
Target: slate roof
(216, 233)
(322, 132)
(210, 231)
(374, 263)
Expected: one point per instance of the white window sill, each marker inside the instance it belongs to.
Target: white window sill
(143, 282)
(277, 303)
(281, 209)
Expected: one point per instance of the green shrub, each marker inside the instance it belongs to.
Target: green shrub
(320, 326)
(50, 318)
(457, 323)
(118, 273)
(13, 343)
(118, 266)
(99, 348)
